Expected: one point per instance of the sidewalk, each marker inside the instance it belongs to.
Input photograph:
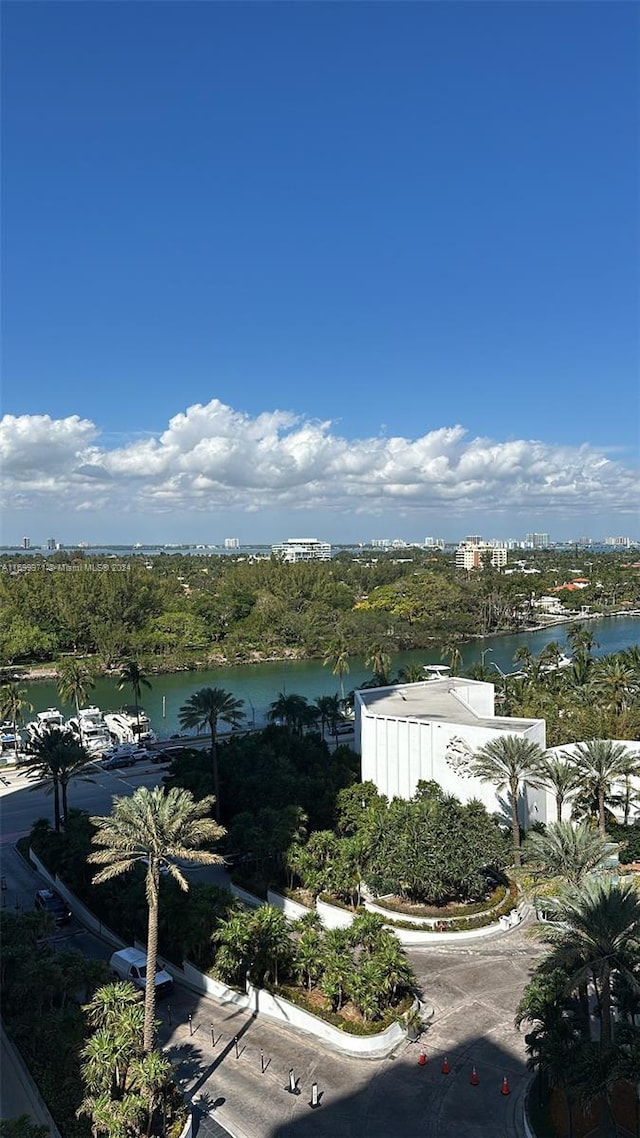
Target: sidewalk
(18, 1092)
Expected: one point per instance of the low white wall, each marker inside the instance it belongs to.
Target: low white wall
(78, 909)
(293, 910)
(245, 897)
(417, 938)
(367, 1047)
(215, 989)
(332, 916)
(394, 915)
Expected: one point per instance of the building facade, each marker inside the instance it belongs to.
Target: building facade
(471, 552)
(428, 731)
(302, 549)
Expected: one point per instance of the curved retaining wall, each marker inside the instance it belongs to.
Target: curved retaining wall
(332, 916)
(392, 914)
(293, 910)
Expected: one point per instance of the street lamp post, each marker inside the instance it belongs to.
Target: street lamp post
(483, 654)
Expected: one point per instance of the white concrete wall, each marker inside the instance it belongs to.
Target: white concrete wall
(292, 910)
(398, 751)
(245, 897)
(332, 916)
(366, 1047)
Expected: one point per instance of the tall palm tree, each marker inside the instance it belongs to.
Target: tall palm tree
(561, 776)
(600, 763)
(630, 769)
(206, 708)
(154, 827)
(75, 681)
(337, 656)
(13, 703)
(57, 758)
(327, 708)
(509, 761)
(568, 851)
(582, 640)
(131, 675)
(290, 710)
(595, 936)
(379, 660)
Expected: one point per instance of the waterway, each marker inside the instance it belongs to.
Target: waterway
(259, 684)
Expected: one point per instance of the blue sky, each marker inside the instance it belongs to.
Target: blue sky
(345, 270)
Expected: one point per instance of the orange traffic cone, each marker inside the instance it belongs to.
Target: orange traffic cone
(505, 1087)
(422, 1058)
(445, 1066)
(474, 1080)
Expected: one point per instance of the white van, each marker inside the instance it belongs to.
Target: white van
(131, 964)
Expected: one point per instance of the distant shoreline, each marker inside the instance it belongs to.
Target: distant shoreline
(49, 671)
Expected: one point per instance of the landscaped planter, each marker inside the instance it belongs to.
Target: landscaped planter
(396, 915)
(293, 910)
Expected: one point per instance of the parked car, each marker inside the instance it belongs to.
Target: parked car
(160, 757)
(131, 964)
(48, 901)
(117, 761)
(141, 755)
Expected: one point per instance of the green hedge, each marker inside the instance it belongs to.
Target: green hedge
(463, 924)
(392, 1015)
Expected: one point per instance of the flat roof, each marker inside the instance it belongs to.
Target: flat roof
(432, 701)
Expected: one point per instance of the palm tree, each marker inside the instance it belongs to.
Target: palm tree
(379, 660)
(615, 682)
(599, 763)
(452, 653)
(561, 776)
(13, 702)
(509, 761)
(338, 657)
(630, 769)
(559, 1028)
(328, 711)
(75, 681)
(154, 827)
(205, 708)
(567, 851)
(57, 758)
(595, 936)
(131, 675)
(582, 641)
(290, 710)
(412, 674)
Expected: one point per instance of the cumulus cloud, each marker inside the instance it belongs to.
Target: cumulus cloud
(213, 457)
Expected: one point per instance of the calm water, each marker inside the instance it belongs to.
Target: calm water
(259, 684)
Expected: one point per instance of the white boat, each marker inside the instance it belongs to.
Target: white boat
(126, 727)
(44, 721)
(90, 728)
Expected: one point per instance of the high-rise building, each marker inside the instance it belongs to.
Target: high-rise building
(231, 543)
(26, 543)
(471, 552)
(51, 543)
(537, 541)
(302, 549)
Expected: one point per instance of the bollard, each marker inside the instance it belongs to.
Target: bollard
(315, 1099)
(169, 1015)
(190, 1027)
(261, 1061)
(292, 1088)
(213, 1038)
(235, 1040)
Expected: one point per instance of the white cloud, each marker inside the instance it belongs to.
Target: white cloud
(212, 457)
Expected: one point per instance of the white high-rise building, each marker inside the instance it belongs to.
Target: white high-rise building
(302, 549)
(471, 552)
(231, 543)
(537, 541)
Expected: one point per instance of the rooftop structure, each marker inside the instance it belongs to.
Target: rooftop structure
(428, 731)
(302, 549)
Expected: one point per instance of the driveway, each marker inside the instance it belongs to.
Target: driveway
(474, 992)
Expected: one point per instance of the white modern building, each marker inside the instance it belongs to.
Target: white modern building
(302, 549)
(231, 543)
(472, 551)
(429, 730)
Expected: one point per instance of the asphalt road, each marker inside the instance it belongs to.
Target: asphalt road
(474, 991)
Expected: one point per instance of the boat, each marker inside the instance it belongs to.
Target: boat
(90, 728)
(45, 721)
(127, 726)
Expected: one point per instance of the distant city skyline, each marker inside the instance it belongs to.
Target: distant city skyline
(338, 270)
